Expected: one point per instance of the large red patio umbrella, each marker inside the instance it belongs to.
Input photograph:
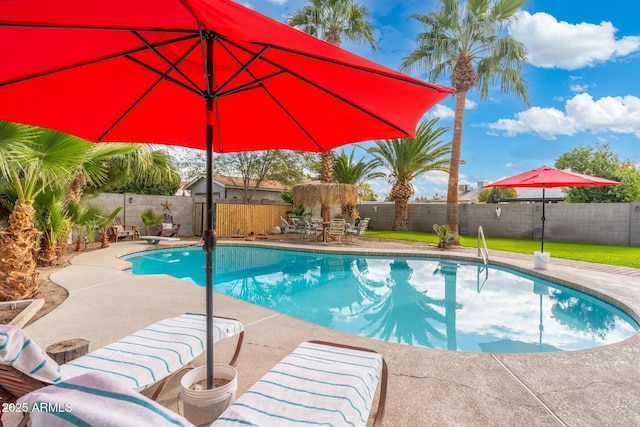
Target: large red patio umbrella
(208, 74)
(548, 177)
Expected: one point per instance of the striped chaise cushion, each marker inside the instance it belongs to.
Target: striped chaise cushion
(317, 384)
(154, 352)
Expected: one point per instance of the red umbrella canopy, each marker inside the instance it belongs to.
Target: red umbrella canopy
(547, 177)
(133, 70)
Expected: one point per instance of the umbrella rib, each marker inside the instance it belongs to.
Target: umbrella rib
(131, 107)
(165, 76)
(258, 83)
(323, 89)
(246, 86)
(363, 69)
(165, 59)
(91, 62)
(242, 68)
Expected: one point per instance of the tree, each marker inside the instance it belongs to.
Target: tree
(31, 160)
(348, 171)
(600, 161)
(366, 193)
(140, 170)
(149, 218)
(406, 159)
(255, 167)
(331, 20)
(494, 195)
(457, 38)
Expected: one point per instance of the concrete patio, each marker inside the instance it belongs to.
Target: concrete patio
(596, 387)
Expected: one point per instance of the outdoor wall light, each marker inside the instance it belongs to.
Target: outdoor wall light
(637, 208)
(130, 200)
(498, 212)
(537, 208)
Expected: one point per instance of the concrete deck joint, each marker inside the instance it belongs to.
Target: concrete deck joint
(531, 392)
(261, 320)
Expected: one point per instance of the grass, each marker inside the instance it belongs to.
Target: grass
(625, 256)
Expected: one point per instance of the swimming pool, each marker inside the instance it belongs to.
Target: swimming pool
(427, 302)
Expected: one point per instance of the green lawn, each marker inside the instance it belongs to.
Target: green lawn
(626, 256)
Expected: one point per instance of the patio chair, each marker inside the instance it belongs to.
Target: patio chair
(318, 383)
(117, 231)
(286, 226)
(94, 399)
(151, 355)
(358, 230)
(335, 231)
(167, 227)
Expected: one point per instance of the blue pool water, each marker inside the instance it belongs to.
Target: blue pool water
(426, 302)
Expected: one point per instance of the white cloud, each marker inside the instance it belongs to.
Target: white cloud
(443, 112)
(278, 2)
(512, 165)
(578, 88)
(620, 114)
(558, 44)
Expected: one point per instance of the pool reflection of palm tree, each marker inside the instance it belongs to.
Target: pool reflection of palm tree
(403, 311)
(450, 272)
(580, 315)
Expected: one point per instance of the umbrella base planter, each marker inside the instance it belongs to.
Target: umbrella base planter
(541, 260)
(201, 406)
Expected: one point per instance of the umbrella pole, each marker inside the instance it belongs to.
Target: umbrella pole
(543, 218)
(210, 234)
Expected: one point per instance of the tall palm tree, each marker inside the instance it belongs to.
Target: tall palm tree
(466, 40)
(331, 20)
(407, 158)
(30, 160)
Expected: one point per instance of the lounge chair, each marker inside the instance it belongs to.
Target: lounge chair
(151, 355)
(319, 383)
(94, 399)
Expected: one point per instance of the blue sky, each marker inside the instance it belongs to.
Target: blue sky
(583, 82)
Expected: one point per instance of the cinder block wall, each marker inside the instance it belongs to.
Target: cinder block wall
(134, 204)
(605, 223)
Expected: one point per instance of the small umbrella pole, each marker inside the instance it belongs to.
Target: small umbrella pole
(543, 218)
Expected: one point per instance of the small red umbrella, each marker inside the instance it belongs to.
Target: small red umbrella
(208, 74)
(547, 177)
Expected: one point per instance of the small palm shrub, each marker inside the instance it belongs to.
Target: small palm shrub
(445, 236)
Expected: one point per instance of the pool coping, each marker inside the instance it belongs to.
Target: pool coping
(596, 386)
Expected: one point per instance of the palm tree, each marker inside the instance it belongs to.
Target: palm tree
(30, 160)
(407, 158)
(468, 43)
(149, 218)
(348, 171)
(331, 20)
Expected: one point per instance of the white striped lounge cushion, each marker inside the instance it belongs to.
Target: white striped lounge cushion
(154, 352)
(316, 384)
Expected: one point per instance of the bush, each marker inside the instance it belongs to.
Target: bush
(445, 237)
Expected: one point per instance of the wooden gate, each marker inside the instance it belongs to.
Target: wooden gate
(238, 220)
